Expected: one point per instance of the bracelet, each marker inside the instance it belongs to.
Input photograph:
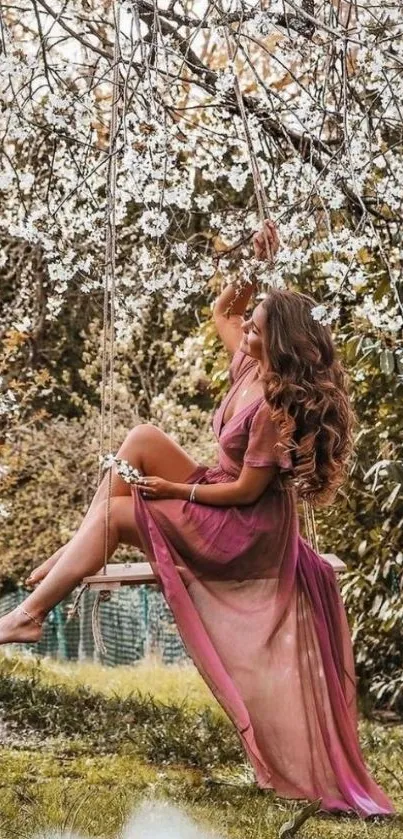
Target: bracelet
(192, 496)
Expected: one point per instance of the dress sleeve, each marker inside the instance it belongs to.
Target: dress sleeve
(240, 360)
(264, 447)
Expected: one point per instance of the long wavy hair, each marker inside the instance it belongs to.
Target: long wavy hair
(307, 388)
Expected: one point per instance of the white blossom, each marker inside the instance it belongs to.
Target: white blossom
(8, 402)
(380, 313)
(154, 222)
(24, 325)
(26, 180)
(203, 202)
(225, 82)
(237, 177)
(181, 249)
(324, 315)
(129, 473)
(6, 178)
(327, 162)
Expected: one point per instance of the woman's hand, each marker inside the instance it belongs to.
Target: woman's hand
(152, 487)
(259, 243)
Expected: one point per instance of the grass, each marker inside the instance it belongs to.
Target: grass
(43, 791)
(175, 683)
(84, 744)
(159, 730)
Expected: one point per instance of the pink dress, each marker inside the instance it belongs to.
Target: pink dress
(261, 616)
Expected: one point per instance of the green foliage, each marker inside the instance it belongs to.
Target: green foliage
(365, 527)
(42, 365)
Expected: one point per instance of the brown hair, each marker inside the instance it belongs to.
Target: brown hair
(307, 388)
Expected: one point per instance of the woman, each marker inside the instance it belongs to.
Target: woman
(259, 611)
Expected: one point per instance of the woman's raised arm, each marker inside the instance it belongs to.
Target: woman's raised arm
(229, 326)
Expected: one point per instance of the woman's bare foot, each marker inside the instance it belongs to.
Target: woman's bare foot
(17, 627)
(39, 573)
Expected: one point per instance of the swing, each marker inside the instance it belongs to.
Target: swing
(114, 575)
(139, 573)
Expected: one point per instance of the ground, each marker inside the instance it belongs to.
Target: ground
(83, 744)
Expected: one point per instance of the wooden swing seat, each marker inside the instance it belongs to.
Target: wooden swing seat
(139, 573)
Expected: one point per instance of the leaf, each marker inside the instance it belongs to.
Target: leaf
(393, 495)
(387, 362)
(291, 827)
(364, 255)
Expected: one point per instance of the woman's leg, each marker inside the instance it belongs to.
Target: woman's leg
(84, 555)
(147, 448)
(101, 494)
(118, 487)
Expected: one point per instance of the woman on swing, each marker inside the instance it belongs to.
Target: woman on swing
(258, 610)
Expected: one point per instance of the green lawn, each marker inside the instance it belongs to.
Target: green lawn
(83, 745)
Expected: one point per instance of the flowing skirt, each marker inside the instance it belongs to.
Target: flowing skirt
(261, 616)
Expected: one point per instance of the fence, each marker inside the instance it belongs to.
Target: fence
(134, 622)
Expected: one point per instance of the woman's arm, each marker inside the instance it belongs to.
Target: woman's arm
(252, 481)
(246, 489)
(232, 298)
(229, 326)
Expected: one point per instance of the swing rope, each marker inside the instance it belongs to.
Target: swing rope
(109, 296)
(110, 279)
(108, 332)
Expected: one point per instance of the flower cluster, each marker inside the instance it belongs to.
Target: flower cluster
(129, 473)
